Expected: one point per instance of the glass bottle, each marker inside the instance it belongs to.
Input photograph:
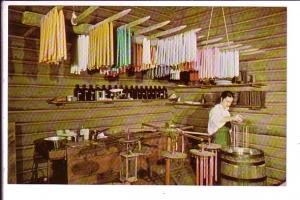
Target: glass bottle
(155, 92)
(84, 93)
(146, 93)
(91, 93)
(108, 92)
(77, 92)
(97, 92)
(165, 91)
(125, 91)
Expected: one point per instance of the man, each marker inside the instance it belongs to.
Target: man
(219, 120)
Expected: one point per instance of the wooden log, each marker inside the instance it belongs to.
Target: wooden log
(34, 19)
(12, 164)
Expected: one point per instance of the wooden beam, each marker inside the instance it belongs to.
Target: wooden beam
(34, 19)
(151, 28)
(86, 13)
(248, 50)
(31, 18)
(136, 22)
(252, 52)
(244, 47)
(167, 32)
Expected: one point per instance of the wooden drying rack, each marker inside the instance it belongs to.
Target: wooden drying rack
(33, 19)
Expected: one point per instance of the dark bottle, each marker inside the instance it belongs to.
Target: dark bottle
(145, 93)
(142, 92)
(138, 93)
(132, 92)
(105, 91)
(77, 92)
(116, 87)
(159, 92)
(125, 91)
(91, 93)
(108, 92)
(155, 92)
(84, 93)
(97, 92)
(165, 91)
(151, 92)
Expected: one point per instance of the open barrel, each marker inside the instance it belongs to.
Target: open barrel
(243, 166)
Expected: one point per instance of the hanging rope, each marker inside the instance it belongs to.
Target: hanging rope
(211, 14)
(225, 27)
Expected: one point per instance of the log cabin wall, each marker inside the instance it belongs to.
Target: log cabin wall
(263, 28)
(31, 83)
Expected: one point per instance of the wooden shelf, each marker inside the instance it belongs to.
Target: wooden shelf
(58, 103)
(257, 85)
(211, 105)
(188, 104)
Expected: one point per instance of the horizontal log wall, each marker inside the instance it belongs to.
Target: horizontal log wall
(30, 86)
(263, 28)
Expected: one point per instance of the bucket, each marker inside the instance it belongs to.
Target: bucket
(243, 166)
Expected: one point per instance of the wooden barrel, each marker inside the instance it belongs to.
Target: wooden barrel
(243, 166)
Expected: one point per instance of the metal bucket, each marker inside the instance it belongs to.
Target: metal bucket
(57, 141)
(243, 166)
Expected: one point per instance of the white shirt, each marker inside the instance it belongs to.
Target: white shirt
(216, 116)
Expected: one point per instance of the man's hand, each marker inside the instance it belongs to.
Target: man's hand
(237, 118)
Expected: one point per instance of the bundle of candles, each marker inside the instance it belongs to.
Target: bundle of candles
(53, 45)
(101, 47)
(245, 135)
(206, 167)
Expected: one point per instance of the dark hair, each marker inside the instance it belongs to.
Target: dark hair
(226, 94)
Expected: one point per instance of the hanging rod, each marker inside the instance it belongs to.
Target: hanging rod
(219, 45)
(151, 28)
(86, 13)
(235, 46)
(34, 19)
(200, 37)
(136, 22)
(214, 40)
(167, 32)
(85, 28)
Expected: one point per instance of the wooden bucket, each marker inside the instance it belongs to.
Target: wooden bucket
(243, 166)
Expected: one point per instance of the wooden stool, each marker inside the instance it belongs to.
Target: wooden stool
(204, 166)
(171, 156)
(212, 147)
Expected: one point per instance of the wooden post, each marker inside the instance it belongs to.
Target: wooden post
(167, 180)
